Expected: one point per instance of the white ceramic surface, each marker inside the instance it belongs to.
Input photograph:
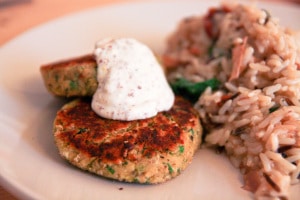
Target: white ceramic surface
(30, 166)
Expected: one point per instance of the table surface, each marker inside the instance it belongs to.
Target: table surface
(14, 20)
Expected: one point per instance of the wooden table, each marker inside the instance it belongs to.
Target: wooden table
(17, 16)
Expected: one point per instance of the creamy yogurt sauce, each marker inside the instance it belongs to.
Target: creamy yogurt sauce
(131, 82)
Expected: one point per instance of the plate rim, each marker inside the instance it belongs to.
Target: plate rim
(17, 189)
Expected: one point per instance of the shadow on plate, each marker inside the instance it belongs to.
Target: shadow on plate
(39, 133)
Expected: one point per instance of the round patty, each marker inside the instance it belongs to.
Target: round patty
(72, 77)
(152, 150)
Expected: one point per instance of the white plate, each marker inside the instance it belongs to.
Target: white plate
(30, 166)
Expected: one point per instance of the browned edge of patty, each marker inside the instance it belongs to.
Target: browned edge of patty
(88, 58)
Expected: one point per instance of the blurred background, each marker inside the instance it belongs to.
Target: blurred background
(17, 16)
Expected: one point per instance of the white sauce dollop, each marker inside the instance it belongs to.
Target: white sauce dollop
(131, 82)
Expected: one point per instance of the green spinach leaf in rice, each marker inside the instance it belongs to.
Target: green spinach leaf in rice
(192, 91)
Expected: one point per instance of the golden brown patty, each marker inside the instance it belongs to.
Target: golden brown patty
(72, 77)
(146, 151)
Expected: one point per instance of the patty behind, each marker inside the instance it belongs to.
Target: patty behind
(74, 77)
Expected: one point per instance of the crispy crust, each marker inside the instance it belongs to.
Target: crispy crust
(146, 151)
(72, 77)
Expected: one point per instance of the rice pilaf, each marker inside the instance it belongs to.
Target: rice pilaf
(255, 113)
